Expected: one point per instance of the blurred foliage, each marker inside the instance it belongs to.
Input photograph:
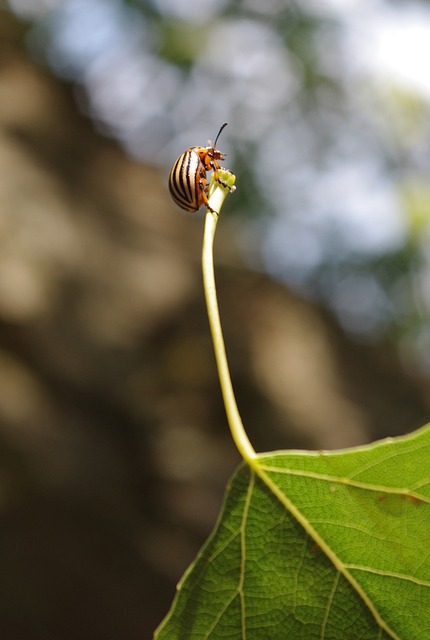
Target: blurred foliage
(330, 150)
(179, 43)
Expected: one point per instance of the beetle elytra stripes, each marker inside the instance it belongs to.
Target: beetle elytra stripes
(188, 183)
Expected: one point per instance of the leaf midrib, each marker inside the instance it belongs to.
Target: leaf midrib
(340, 566)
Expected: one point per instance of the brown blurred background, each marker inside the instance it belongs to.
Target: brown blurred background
(114, 447)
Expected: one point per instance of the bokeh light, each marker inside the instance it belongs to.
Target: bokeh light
(328, 111)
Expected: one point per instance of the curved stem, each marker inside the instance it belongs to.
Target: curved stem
(234, 420)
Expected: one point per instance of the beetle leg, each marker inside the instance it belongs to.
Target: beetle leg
(218, 179)
(205, 197)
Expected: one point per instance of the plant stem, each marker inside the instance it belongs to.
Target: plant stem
(237, 429)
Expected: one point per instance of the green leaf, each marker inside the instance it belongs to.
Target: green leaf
(316, 545)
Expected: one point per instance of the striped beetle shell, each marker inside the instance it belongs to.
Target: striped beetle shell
(188, 183)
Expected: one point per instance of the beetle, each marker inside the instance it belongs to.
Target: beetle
(188, 184)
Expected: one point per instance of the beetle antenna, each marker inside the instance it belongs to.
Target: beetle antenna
(219, 132)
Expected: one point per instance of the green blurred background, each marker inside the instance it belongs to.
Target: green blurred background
(114, 448)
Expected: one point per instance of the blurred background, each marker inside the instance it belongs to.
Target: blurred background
(114, 447)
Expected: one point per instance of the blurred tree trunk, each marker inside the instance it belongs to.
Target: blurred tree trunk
(114, 445)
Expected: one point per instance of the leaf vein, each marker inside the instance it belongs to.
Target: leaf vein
(389, 574)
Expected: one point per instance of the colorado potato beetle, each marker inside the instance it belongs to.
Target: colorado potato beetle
(188, 184)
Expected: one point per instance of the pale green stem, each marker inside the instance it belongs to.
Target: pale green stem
(217, 195)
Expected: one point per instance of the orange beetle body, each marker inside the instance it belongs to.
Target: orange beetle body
(188, 183)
